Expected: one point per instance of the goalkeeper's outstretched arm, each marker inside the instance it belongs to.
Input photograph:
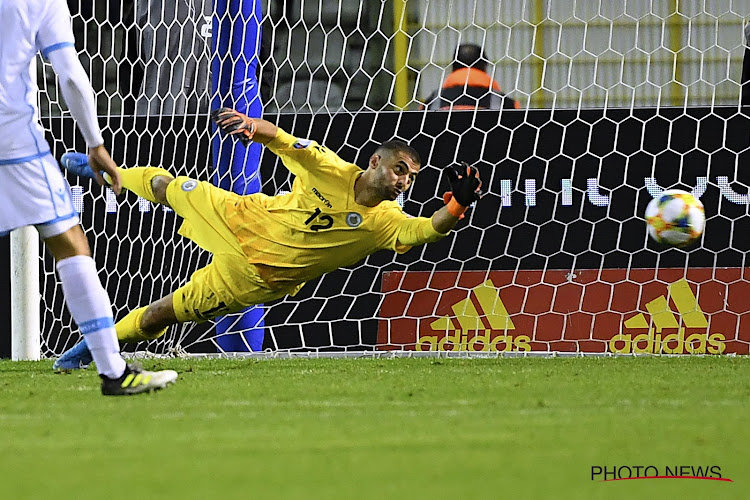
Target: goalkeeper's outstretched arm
(464, 179)
(466, 189)
(443, 221)
(243, 127)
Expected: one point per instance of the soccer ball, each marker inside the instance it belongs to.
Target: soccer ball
(675, 218)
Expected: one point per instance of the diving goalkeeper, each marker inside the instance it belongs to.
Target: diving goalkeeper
(266, 247)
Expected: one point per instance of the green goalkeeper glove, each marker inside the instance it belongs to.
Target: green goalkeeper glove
(235, 123)
(466, 188)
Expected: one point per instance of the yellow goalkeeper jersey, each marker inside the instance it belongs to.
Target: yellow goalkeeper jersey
(318, 227)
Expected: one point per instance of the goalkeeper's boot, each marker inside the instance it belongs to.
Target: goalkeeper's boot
(136, 380)
(77, 357)
(78, 163)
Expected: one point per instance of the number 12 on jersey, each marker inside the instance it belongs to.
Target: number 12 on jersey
(327, 220)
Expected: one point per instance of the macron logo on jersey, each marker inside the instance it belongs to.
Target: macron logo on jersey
(322, 198)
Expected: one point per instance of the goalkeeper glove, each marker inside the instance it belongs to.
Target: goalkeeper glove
(235, 123)
(466, 188)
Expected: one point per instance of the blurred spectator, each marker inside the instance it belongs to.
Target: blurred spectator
(469, 86)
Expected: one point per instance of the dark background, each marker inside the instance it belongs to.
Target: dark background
(620, 147)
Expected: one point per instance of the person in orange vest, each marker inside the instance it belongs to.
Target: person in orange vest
(469, 86)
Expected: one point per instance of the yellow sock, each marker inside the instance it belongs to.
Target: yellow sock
(129, 328)
(138, 180)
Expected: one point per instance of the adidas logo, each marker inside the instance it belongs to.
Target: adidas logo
(662, 317)
(480, 323)
(672, 341)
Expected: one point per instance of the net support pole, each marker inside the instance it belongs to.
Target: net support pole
(400, 55)
(538, 61)
(674, 22)
(235, 47)
(24, 294)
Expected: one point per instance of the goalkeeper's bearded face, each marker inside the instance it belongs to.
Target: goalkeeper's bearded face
(394, 173)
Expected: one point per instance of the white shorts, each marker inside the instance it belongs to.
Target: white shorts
(35, 193)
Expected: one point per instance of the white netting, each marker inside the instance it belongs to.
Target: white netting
(617, 101)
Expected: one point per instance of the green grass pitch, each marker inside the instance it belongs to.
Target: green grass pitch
(379, 428)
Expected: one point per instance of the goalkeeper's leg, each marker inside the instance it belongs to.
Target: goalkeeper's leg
(228, 284)
(142, 324)
(147, 182)
(147, 323)
(132, 328)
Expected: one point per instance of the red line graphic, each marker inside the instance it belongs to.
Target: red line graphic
(669, 477)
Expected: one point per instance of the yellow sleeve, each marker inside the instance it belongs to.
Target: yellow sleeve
(409, 231)
(416, 231)
(302, 155)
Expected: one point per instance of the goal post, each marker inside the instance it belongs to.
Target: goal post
(25, 310)
(24, 284)
(618, 101)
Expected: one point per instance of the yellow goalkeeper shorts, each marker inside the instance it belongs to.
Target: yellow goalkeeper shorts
(229, 283)
(202, 206)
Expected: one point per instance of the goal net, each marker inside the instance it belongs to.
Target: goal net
(616, 101)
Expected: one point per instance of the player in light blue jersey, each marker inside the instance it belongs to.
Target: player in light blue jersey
(33, 190)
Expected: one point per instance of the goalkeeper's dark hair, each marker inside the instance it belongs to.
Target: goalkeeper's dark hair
(396, 146)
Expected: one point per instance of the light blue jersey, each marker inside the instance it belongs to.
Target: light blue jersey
(26, 28)
(32, 189)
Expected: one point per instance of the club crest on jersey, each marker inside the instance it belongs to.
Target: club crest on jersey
(353, 219)
(189, 185)
(302, 143)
